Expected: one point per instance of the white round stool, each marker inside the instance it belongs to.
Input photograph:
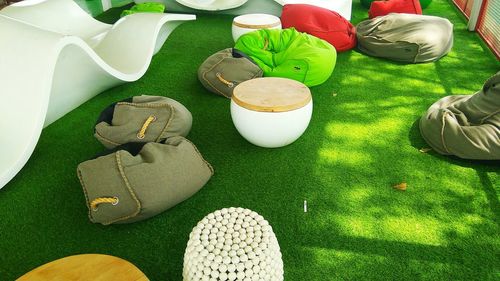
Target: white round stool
(233, 244)
(251, 22)
(271, 112)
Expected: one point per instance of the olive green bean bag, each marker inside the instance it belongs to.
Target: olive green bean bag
(142, 119)
(290, 54)
(405, 37)
(138, 180)
(467, 126)
(223, 71)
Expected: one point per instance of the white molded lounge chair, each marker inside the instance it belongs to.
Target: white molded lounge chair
(240, 7)
(343, 7)
(54, 57)
(212, 5)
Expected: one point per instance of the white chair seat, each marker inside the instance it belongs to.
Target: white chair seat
(343, 7)
(212, 5)
(54, 57)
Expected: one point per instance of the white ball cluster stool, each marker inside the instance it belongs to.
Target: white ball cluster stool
(233, 244)
(271, 112)
(251, 22)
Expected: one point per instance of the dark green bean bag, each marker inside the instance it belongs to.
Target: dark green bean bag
(467, 126)
(290, 54)
(367, 3)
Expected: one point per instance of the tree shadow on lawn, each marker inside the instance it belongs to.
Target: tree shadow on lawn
(357, 226)
(356, 147)
(481, 167)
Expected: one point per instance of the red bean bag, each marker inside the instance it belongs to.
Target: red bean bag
(322, 23)
(382, 8)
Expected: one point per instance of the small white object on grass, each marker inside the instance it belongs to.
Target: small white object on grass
(305, 206)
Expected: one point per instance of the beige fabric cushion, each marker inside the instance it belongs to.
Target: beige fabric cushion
(406, 37)
(142, 179)
(467, 126)
(224, 70)
(142, 119)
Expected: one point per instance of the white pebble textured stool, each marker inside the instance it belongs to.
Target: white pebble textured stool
(270, 111)
(251, 22)
(233, 244)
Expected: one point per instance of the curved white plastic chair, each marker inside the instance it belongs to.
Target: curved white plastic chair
(54, 57)
(241, 7)
(212, 5)
(230, 7)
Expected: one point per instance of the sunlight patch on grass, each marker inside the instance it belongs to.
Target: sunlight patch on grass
(416, 229)
(365, 132)
(326, 257)
(358, 194)
(455, 184)
(335, 156)
(359, 227)
(398, 105)
(335, 264)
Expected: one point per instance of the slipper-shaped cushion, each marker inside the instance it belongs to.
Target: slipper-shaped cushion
(224, 70)
(290, 54)
(322, 23)
(405, 37)
(467, 126)
(382, 8)
(140, 180)
(142, 119)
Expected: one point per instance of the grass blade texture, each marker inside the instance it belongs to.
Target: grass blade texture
(362, 140)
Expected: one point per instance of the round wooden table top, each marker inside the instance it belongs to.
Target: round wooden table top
(271, 94)
(257, 21)
(90, 267)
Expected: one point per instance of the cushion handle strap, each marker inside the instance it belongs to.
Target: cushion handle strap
(102, 200)
(142, 132)
(224, 81)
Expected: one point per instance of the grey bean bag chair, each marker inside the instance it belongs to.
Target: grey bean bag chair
(406, 37)
(139, 180)
(142, 119)
(467, 126)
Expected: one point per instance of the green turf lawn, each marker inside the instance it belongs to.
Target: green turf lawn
(362, 139)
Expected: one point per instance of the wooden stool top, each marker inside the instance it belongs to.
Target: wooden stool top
(85, 268)
(271, 94)
(257, 21)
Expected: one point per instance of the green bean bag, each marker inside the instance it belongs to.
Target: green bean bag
(467, 126)
(367, 3)
(290, 54)
(147, 7)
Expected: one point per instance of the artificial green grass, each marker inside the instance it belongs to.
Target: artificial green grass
(362, 139)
